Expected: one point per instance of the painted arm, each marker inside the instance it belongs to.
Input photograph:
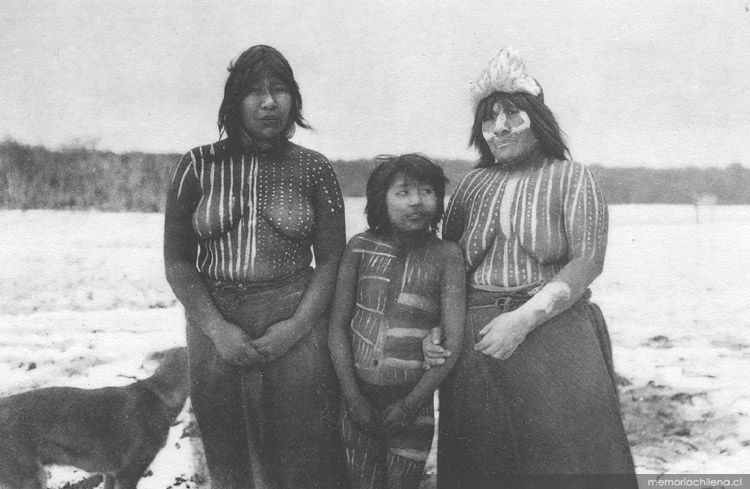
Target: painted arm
(586, 225)
(361, 411)
(453, 228)
(452, 317)
(328, 244)
(454, 221)
(180, 249)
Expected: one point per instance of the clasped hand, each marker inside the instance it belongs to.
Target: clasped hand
(279, 338)
(365, 416)
(238, 349)
(235, 346)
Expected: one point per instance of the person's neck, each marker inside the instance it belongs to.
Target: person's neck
(410, 240)
(246, 141)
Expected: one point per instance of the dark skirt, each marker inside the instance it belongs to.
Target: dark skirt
(273, 425)
(546, 417)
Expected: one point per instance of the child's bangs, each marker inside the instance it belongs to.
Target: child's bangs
(422, 171)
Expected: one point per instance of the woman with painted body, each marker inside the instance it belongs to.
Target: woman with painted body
(533, 391)
(244, 218)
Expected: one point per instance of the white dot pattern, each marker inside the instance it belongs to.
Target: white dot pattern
(258, 213)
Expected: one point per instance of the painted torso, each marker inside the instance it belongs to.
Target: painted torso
(397, 303)
(255, 212)
(521, 226)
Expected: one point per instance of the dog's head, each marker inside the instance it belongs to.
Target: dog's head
(171, 377)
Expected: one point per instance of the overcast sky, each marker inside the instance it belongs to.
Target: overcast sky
(653, 83)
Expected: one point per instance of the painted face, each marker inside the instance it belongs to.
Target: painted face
(411, 204)
(266, 108)
(508, 132)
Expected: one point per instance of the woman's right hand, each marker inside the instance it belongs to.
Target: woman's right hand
(234, 345)
(434, 354)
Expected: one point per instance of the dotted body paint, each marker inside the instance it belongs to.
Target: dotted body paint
(257, 214)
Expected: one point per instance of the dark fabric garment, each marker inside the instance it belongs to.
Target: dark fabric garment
(274, 425)
(549, 410)
(388, 462)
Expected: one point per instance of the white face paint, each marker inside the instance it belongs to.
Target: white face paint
(508, 133)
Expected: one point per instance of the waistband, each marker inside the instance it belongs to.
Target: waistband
(250, 288)
(506, 299)
(481, 299)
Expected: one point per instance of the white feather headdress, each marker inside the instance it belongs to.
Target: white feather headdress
(506, 72)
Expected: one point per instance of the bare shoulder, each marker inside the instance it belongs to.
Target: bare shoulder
(364, 241)
(359, 239)
(570, 165)
(310, 156)
(209, 152)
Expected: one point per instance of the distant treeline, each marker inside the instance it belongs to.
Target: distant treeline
(34, 177)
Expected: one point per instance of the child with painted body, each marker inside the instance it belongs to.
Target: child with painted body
(396, 282)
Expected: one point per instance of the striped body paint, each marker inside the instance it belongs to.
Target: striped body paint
(372, 460)
(255, 213)
(397, 303)
(520, 226)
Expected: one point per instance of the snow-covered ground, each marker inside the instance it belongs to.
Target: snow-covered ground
(83, 301)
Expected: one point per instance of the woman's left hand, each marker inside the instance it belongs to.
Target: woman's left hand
(502, 335)
(278, 339)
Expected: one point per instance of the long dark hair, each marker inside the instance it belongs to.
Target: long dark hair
(413, 165)
(255, 62)
(543, 123)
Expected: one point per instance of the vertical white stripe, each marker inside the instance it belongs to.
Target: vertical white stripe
(215, 257)
(550, 185)
(490, 266)
(516, 269)
(249, 233)
(506, 204)
(479, 205)
(506, 263)
(535, 203)
(541, 177)
(563, 198)
(585, 221)
(206, 254)
(483, 177)
(521, 208)
(230, 202)
(491, 216)
(241, 233)
(184, 174)
(254, 242)
(203, 167)
(564, 170)
(222, 194)
(209, 257)
(573, 208)
(221, 200)
(195, 170)
(210, 195)
(591, 184)
(405, 273)
(252, 215)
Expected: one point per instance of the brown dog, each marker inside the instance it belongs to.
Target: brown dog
(116, 431)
